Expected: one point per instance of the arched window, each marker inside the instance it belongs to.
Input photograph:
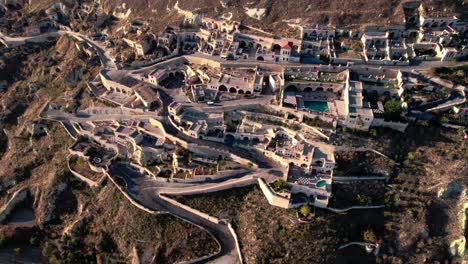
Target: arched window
(308, 90)
(222, 88)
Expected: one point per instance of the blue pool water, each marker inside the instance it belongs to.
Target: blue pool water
(316, 106)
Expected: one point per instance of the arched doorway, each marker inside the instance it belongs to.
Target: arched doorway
(319, 89)
(240, 91)
(260, 58)
(291, 89)
(222, 88)
(276, 47)
(229, 139)
(308, 90)
(232, 90)
(318, 163)
(242, 44)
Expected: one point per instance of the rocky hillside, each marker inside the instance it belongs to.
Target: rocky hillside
(63, 220)
(275, 15)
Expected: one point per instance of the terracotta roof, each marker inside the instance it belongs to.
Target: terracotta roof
(287, 46)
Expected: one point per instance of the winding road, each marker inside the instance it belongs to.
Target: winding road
(148, 191)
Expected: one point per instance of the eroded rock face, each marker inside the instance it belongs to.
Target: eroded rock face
(16, 199)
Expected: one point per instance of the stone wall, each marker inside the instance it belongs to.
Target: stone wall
(271, 197)
(380, 122)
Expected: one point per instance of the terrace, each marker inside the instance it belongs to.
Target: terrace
(81, 166)
(93, 151)
(314, 180)
(303, 79)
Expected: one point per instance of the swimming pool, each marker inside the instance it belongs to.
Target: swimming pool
(321, 184)
(316, 106)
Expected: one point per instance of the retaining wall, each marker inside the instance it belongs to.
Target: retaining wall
(393, 125)
(336, 210)
(81, 177)
(234, 235)
(212, 219)
(273, 198)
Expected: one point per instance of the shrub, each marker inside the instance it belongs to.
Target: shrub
(423, 123)
(278, 185)
(48, 250)
(369, 236)
(3, 239)
(305, 210)
(444, 120)
(392, 109)
(18, 251)
(411, 156)
(33, 241)
(373, 132)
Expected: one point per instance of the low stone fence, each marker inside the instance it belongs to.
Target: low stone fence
(399, 126)
(241, 182)
(202, 178)
(234, 235)
(212, 219)
(337, 210)
(388, 62)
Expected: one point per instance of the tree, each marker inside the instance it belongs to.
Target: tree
(279, 185)
(48, 249)
(18, 251)
(423, 123)
(392, 109)
(305, 210)
(373, 132)
(369, 236)
(3, 239)
(33, 241)
(444, 120)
